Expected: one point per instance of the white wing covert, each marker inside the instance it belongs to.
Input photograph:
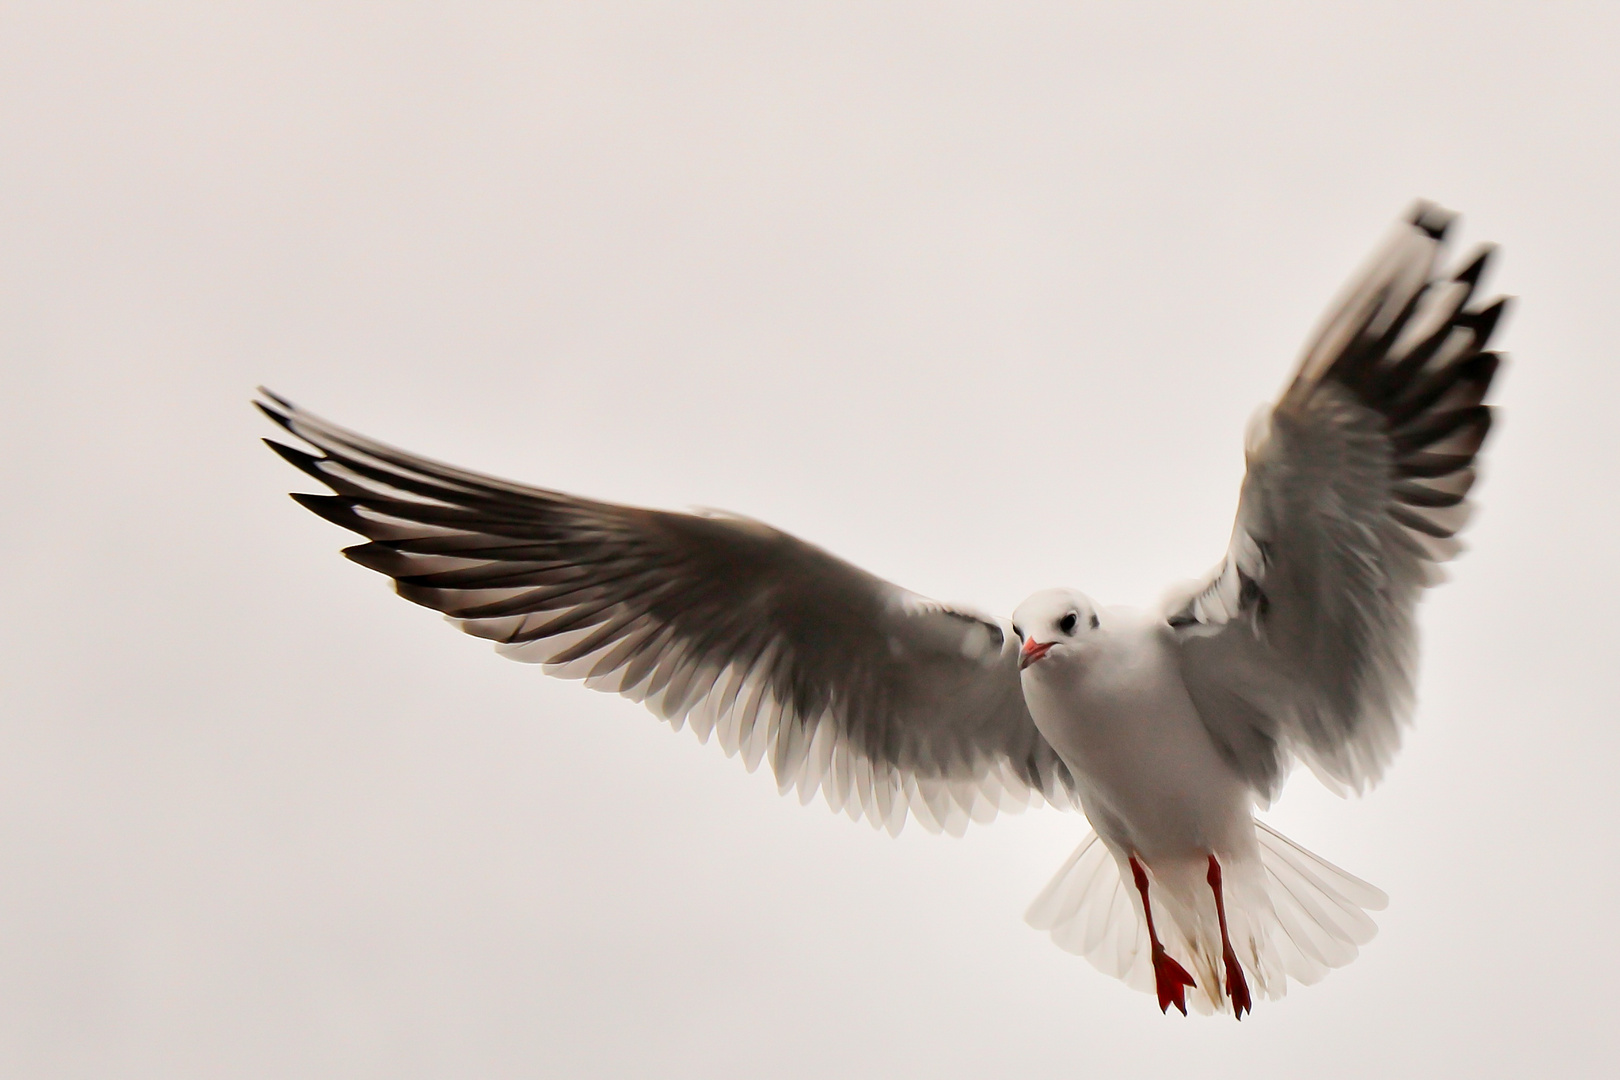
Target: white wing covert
(885, 702)
(1302, 642)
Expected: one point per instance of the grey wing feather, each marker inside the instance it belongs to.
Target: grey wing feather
(1303, 641)
(888, 704)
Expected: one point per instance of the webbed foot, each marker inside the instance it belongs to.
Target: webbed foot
(1171, 980)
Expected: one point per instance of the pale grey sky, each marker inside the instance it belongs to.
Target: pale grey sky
(838, 266)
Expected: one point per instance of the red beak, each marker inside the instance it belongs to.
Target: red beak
(1032, 651)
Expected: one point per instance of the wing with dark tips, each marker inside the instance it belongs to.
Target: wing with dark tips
(1303, 641)
(888, 704)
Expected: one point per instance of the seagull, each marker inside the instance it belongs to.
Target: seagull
(1168, 727)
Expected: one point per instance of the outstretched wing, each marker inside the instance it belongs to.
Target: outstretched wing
(882, 700)
(1303, 640)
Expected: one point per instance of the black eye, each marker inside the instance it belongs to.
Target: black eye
(1018, 631)
(1066, 624)
(1095, 622)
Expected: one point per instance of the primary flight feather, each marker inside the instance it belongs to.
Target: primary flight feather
(1167, 727)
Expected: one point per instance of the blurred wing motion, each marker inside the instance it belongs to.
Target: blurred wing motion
(1303, 642)
(885, 702)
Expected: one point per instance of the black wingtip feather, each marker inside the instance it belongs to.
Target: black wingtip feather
(1470, 275)
(1430, 429)
(1420, 523)
(334, 508)
(1421, 495)
(1393, 383)
(1426, 465)
(280, 419)
(375, 556)
(1484, 321)
(275, 397)
(1477, 369)
(1431, 219)
(298, 459)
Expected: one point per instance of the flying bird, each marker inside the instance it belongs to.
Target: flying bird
(1168, 727)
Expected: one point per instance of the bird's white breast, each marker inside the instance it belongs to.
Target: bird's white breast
(1151, 781)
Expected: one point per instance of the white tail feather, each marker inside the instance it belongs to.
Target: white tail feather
(1306, 917)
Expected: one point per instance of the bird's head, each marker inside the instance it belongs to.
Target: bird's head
(1053, 623)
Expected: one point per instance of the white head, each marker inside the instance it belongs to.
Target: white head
(1052, 623)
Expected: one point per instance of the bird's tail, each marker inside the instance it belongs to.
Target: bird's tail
(1295, 915)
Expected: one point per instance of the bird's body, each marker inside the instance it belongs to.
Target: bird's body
(1167, 726)
(1147, 773)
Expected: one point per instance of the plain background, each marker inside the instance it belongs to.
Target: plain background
(977, 296)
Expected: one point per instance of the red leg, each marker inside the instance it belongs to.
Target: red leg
(1169, 978)
(1237, 987)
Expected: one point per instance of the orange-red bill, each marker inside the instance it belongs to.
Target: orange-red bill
(1032, 651)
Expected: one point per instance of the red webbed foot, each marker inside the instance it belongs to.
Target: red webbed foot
(1237, 987)
(1171, 980)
